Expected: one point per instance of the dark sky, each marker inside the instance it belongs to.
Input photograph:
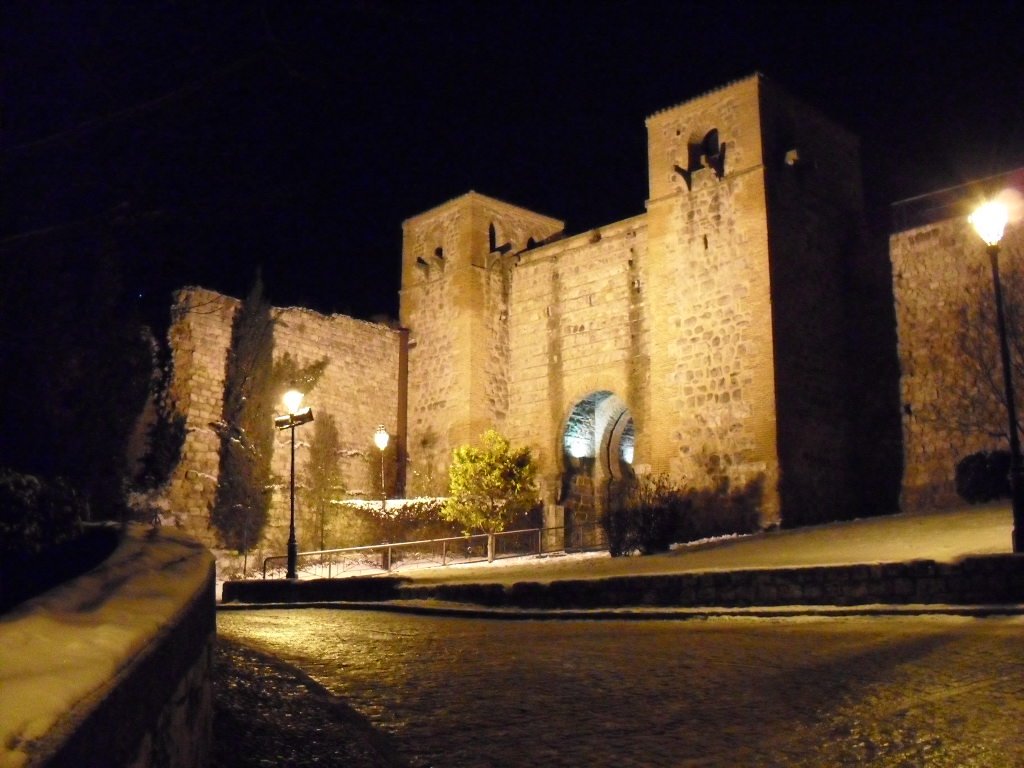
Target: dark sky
(202, 139)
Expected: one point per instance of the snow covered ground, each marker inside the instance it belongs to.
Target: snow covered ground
(942, 536)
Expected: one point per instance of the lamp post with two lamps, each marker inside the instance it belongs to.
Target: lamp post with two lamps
(989, 220)
(294, 418)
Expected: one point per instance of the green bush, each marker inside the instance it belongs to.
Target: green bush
(36, 514)
(983, 476)
(649, 514)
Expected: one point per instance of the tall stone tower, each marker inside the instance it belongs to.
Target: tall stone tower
(754, 213)
(454, 301)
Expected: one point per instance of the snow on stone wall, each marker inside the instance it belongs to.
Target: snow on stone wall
(116, 664)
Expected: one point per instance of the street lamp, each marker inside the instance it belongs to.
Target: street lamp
(989, 220)
(294, 418)
(380, 439)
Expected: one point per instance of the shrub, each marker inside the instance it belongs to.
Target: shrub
(983, 476)
(643, 515)
(649, 514)
(361, 522)
(36, 514)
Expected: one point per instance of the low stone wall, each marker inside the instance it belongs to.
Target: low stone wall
(986, 580)
(114, 668)
(354, 588)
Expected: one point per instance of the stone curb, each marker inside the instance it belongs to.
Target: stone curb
(989, 580)
(459, 610)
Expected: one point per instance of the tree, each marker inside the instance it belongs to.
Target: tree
(490, 486)
(253, 386)
(323, 475)
(242, 503)
(75, 362)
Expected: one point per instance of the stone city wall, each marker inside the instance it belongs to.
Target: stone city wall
(576, 325)
(199, 337)
(454, 301)
(950, 384)
(358, 390)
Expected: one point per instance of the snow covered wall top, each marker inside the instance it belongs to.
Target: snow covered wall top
(92, 666)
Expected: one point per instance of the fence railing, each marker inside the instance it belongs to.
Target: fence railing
(388, 556)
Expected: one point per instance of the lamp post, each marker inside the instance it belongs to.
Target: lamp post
(294, 418)
(989, 221)
(380, 439)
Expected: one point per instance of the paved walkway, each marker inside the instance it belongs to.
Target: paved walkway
(566, 701)
(942, 692)
(941, 536)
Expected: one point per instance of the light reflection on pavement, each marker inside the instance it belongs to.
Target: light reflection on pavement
(894, 691)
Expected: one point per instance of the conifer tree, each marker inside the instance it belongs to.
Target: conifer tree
(246, 430)
(323, 475)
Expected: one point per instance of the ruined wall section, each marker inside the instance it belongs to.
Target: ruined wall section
(946, 325)
(577, 325)
(816, 229)
(199, 336)
(712, 388)
(358, 390)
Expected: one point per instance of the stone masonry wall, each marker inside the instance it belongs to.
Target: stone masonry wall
(577, 325)
(816, 225)
(715, 319)
(200, 336)
(941, 275)
(359, 389)
(712, 388)
(454, 301)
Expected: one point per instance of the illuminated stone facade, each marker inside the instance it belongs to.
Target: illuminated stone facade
(950, 387)
(704, 338)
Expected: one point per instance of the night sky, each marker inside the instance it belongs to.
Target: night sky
(200, 140)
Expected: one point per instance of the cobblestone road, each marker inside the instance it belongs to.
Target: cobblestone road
(460, 693)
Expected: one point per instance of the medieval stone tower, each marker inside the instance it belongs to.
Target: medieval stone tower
(703, 339)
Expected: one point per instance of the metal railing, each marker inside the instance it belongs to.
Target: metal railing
(387, 556)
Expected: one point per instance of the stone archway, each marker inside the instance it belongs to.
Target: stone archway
(597, 450)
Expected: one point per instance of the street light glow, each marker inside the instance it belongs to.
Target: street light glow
(381, 437)
(292, 400)
(989, 221)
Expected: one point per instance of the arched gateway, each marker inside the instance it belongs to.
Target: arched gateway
(597, 451)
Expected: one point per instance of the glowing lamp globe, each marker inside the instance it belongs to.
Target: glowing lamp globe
(292, 400)
(989, 221)
(380, 437)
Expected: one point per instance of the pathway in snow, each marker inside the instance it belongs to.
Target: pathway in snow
(941, 536)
